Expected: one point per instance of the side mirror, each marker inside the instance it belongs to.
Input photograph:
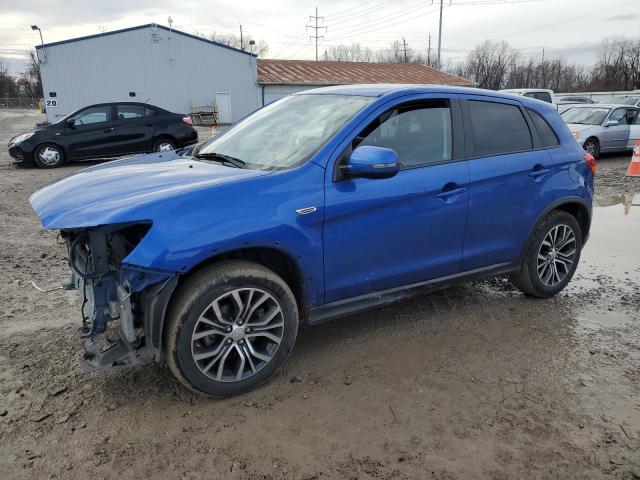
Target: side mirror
(372, 162)
(612, 123)
(70, 122)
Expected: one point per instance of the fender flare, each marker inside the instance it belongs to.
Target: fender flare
(554, 206)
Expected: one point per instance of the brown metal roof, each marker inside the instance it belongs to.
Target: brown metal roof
(306, 72)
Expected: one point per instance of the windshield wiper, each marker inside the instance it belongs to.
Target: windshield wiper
(224, 159)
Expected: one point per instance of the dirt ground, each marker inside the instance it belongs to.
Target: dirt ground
(472, 382)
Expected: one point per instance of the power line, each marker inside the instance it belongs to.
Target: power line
(316, 29)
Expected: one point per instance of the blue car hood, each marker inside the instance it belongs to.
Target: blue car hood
(121, 190)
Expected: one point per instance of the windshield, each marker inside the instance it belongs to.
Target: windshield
(623, 100)
(287, 132)
(585, 116)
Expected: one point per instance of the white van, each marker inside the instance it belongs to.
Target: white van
(537, 93)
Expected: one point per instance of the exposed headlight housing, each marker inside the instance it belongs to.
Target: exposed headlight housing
(22, 138)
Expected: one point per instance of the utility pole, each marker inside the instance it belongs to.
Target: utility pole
(316, 18)
(440, 37)
(429, 51)
(404, 48)
(241, 39)
(544, 72)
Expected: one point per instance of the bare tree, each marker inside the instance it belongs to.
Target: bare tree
(490, 63)
(261, 48)
(29, 82)
(618, 66)
(349, 53)
(8, 87)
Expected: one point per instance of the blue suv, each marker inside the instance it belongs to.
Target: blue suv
(319, 205)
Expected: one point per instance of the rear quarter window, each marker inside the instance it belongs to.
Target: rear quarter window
(547, 136)
(498, 128)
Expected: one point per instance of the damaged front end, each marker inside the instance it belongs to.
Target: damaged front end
(123, 306)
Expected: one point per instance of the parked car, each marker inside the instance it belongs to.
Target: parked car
(604, 128)
(565, 103)
(574, 99)
(631, 100)
(321, 204)
(103, 130)
(542, 94)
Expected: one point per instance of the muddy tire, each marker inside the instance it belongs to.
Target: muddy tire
(230, 328)
(552, 256)
(48, 155)
(592, 146)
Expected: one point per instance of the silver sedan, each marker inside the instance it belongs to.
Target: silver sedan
(604, 128)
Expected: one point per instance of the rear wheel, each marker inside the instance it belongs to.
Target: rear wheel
(48, 155)
(592, 146)
(164, 145)
(232, 326)
(552, 256)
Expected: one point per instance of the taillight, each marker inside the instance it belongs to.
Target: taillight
(187, 120)
(591, 162)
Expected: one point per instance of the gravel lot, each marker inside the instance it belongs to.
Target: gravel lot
(472, 382)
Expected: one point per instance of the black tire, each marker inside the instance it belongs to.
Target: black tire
(592, 146)
(528, 280)
(48, 155)
(195, 297)
(161, 144)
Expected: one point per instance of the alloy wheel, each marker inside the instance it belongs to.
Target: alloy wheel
(165, 147)
(590, 148)
(237, 334)
(556, 255)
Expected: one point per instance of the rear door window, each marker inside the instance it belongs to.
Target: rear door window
(130, 111)
(547, 135)
(498, 128)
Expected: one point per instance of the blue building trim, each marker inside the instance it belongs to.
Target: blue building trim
(140, 27)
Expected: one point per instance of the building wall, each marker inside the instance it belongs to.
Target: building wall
(271, 93)
(172, 71)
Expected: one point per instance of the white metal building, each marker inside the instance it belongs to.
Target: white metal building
(149, 63)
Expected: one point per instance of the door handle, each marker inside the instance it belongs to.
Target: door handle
(451, 192)
(107, 130)
(539, 172)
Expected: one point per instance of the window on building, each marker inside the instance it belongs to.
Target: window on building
(498, 128)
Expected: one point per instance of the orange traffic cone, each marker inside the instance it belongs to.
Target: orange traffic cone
(634, 166)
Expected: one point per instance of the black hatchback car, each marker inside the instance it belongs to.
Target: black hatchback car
(103, 130)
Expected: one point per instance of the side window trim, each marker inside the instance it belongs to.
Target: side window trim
(468, 128)
(458, 150)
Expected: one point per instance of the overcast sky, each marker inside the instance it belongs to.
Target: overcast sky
(567, 28)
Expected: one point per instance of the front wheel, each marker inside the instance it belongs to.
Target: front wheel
(552, 256)
(48, 156)
(230, 328)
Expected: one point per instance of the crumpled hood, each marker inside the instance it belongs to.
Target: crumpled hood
(119, 191)
(579, 127)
